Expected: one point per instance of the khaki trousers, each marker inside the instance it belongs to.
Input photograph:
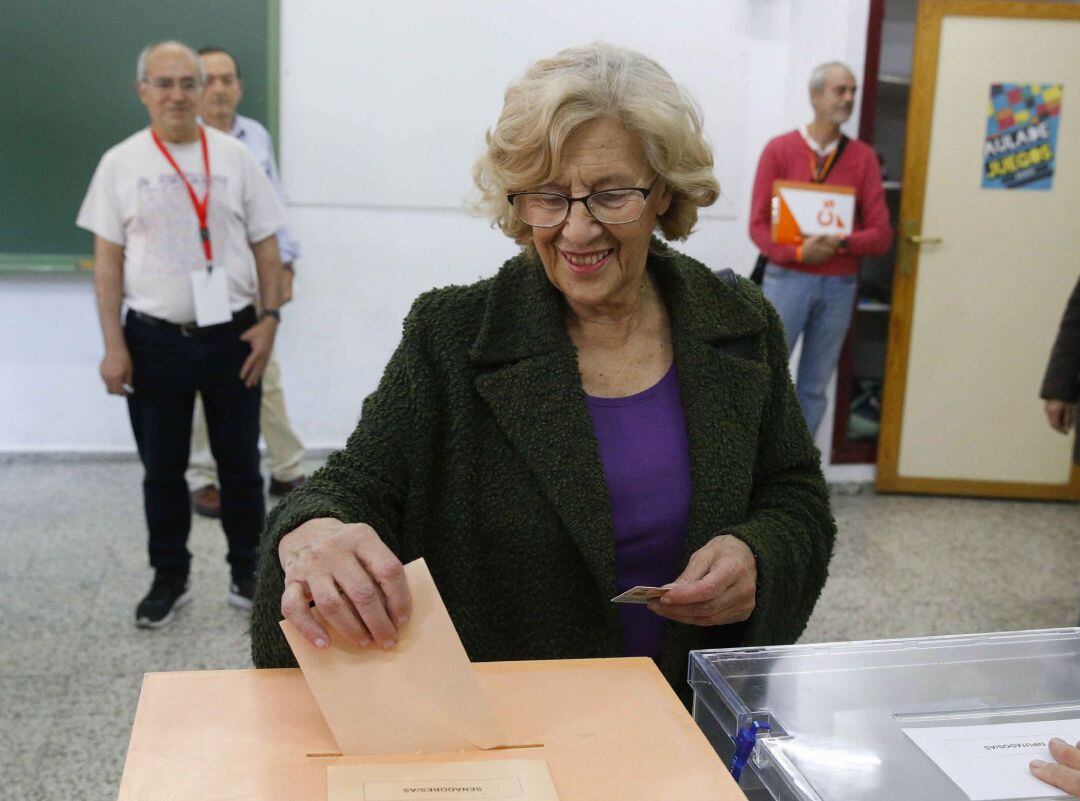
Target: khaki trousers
(284, 448)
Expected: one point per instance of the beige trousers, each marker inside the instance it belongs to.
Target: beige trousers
(284, 448)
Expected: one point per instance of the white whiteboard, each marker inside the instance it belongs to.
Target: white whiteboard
(391, 107)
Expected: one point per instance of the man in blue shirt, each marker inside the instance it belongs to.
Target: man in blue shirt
(223, 93)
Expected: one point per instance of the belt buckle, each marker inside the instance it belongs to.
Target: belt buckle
(188, 329)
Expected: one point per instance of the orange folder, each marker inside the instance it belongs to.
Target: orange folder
(608, 729)
(803, 209)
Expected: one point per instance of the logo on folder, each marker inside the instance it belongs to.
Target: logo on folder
(801, 209)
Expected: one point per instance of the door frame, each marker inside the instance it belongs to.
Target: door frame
(929, 19)
(844, 450)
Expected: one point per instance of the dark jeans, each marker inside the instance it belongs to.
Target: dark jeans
(169, 368)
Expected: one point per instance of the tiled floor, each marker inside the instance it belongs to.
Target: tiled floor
(909, 566)
(72, 567)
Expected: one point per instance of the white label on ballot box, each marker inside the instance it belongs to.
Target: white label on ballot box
(489, 780)
(211, 288)
(991, 762)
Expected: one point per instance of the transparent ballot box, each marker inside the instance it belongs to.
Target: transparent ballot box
(836, 712)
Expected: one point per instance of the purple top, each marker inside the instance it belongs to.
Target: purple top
(646, 458)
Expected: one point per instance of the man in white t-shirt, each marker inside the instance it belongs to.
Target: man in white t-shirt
(184, 225)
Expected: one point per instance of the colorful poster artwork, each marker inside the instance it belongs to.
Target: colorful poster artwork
(1021, 136)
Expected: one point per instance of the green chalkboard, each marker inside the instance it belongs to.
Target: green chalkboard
(67, 94)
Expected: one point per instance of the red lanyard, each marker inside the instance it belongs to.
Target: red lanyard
(819, 174)
(201, 208)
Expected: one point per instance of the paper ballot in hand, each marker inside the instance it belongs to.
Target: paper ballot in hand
(422, 696)
(639, 595)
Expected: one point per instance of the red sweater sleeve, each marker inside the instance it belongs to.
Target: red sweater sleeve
(875, 235)
(768, 170)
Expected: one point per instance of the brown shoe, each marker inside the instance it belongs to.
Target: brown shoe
(207, 501)
(280, 489)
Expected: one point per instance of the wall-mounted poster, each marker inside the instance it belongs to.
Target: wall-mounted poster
(1021, 136)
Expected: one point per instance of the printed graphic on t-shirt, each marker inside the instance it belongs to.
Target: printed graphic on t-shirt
(166, 215)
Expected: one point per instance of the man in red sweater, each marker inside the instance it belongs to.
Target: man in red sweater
(813, 285)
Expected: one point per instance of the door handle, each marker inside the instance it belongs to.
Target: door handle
(909, 245)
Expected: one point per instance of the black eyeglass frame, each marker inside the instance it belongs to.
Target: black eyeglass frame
(584, 200)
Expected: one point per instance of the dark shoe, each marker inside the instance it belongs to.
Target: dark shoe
(207, 501)
(280, 489)
(167, 594)
(241, 592)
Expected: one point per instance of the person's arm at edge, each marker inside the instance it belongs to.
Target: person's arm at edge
(875, 236)
(116, 368)
(761, 209)
(1059, 388)
(789, 528)
(1063, 366)
(357, 485)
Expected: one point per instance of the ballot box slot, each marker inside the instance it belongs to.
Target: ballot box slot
(992, 714)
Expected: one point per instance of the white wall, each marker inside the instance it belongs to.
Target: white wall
(383, 109)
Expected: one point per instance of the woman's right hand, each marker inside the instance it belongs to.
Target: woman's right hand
(356, 582)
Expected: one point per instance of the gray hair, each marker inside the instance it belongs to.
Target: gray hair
(141, 74)
(558, 95)
(819, 73)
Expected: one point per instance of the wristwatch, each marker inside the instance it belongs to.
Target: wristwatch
(275, 313)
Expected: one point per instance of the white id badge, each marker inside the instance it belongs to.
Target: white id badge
(211, 289)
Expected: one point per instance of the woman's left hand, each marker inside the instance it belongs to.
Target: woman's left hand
(717, 586)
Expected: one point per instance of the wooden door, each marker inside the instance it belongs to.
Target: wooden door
(983, 272)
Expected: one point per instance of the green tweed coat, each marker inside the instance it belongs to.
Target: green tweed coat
(477, 452)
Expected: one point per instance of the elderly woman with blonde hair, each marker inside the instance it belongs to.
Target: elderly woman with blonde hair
(604, 412)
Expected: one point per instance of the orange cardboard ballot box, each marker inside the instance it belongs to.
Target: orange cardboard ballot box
(608, 729)
(803, 209)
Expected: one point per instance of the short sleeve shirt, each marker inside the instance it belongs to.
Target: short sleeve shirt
(137, 200)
